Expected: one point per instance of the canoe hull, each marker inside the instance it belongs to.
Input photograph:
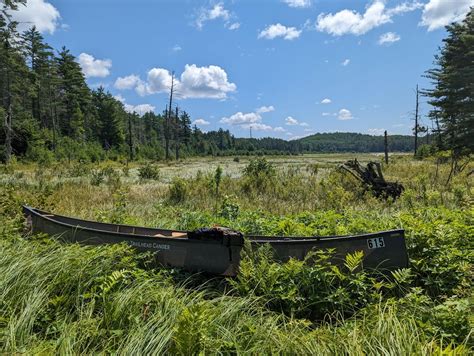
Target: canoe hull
(217, 257)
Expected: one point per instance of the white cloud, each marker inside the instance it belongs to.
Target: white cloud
(278, 30)
(240, 118)
(139, 109)
(326, 114)
(158, 80)
(205, 82)
(439, 13)
(298, 3)
(326, 101)
(177, 48)
(234, 26)
(290, 121)
(345, 114)
(351, 22)
(388, 38)
(128, 82)
(346, 62)
(37, 13)
(250, 120)
(279, 129)
(264, 109)
(200, 122)
(92, 67)
(258, 127)
(194, 82)
(216, 12)
(376, 132)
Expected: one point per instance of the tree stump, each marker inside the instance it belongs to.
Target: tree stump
(372, 178)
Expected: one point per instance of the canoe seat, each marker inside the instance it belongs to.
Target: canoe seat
(173, 234)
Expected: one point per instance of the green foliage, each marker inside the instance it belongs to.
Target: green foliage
(259, 174)
(178, 191)
(311, 288)
(57, 298)
(149, 171)
(452, 96)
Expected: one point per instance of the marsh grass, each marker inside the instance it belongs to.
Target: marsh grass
(57, 298)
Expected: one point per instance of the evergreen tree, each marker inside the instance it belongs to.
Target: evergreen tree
(453, 93)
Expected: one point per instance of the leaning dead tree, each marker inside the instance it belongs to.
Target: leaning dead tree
(372, 178)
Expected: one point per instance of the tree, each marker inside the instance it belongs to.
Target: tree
(72, 92)
(12, 72)
(453, 95)
(111, 118)
(38, 55)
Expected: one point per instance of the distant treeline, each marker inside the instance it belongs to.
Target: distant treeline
(49, 113)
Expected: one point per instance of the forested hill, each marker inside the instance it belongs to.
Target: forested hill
(354, 142)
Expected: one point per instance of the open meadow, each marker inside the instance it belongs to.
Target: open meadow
(71, 299)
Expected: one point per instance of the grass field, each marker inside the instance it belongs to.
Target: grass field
(71, 299)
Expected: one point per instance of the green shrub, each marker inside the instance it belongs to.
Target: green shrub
(149, 171)
(178, 190)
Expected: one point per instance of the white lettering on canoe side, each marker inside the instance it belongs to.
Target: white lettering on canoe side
(151, 245)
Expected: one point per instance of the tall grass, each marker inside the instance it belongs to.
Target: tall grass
(57, 298)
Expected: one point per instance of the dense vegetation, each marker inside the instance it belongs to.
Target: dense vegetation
(71, 299)
(81, 154)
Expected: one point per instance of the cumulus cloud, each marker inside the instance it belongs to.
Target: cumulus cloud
(258, 127)
(376, 132)
(346, 62)
(326, 114)
(92, 67)
(37, 13)
(264, 109)
(216, 12)
(290, 121)
(278, 30)
(279, 129)
(298, 3)
(388, 38)
(352, 22)
(177, 48)
(240, 118)
(200, 122)
(128, 82)
(234, 26)
(205, 82)
(139, 109)
(345, 114)
(194, 82)
(251, 120)
(326, 101)
(439, 13)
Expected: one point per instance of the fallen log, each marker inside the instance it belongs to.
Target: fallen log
(372, 178)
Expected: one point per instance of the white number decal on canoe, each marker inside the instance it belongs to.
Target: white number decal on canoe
(376, 242)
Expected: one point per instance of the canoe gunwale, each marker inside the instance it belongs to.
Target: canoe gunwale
(258, 239)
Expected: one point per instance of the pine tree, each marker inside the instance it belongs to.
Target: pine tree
(453, 93)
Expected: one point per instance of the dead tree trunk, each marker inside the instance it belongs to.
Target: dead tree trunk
(372, 178)
(385, 141)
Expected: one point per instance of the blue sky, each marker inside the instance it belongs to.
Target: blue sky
(286, 68)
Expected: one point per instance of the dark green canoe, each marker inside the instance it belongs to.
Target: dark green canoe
(220, 256)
